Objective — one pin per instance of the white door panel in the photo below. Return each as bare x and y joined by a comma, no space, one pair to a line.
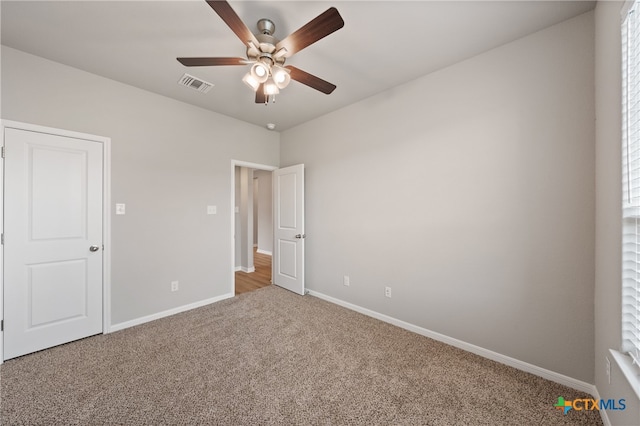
53,214
287,263
288,205
61,200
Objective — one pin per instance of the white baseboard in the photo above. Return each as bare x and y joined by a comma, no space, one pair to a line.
486,353
243,269
268,253
169,312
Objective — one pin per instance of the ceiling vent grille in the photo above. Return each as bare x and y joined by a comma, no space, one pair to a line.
195,83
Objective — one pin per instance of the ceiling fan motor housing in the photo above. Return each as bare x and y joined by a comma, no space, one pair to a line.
267,44
266,26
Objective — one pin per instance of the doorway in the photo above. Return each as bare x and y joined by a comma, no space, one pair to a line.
252,226
261,277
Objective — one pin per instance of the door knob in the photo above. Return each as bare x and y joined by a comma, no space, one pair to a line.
94,248
300,236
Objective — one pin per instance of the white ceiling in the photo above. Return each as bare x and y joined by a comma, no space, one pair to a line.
383,44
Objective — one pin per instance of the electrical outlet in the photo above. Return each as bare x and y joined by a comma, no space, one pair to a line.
345,280
175,285
608,369
387,291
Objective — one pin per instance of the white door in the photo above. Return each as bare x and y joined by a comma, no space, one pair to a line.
288,228
52,240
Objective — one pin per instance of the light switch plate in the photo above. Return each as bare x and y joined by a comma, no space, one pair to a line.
120,208
212,210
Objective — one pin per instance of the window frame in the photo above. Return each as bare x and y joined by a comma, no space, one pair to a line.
628,358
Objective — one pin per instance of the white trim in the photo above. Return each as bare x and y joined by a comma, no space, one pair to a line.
234,164
238,268
169,312
603,413
268,253
630,371
626,7
486,353
106,239
248,270
106,215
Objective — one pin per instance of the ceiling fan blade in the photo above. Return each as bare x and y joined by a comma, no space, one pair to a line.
316,29
208,62
261,98
231,18
310,80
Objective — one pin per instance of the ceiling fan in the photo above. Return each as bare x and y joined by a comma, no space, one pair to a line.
267,55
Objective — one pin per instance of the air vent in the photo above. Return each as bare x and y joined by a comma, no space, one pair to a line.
195,83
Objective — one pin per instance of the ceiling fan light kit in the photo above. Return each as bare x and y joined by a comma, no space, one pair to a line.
267,55
281,77
250,81
270,88
260,72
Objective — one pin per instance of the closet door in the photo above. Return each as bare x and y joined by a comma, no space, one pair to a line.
53,228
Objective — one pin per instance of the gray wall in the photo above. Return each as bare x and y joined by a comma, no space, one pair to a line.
608,295
246,219
169,161
265,213
255,210
238,223
470,192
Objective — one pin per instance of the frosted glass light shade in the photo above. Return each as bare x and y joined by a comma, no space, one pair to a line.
270,88
250,81
260,72
281,77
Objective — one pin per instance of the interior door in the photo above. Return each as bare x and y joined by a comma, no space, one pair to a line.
288,228
52,240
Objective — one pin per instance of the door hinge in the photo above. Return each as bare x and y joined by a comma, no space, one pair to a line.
2,325
2,152
2,238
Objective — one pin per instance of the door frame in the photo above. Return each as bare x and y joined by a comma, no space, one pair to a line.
106,214
234,164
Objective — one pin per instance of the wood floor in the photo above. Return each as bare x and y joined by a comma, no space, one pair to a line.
246,282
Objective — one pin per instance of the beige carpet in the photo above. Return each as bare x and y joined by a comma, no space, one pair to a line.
272,357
